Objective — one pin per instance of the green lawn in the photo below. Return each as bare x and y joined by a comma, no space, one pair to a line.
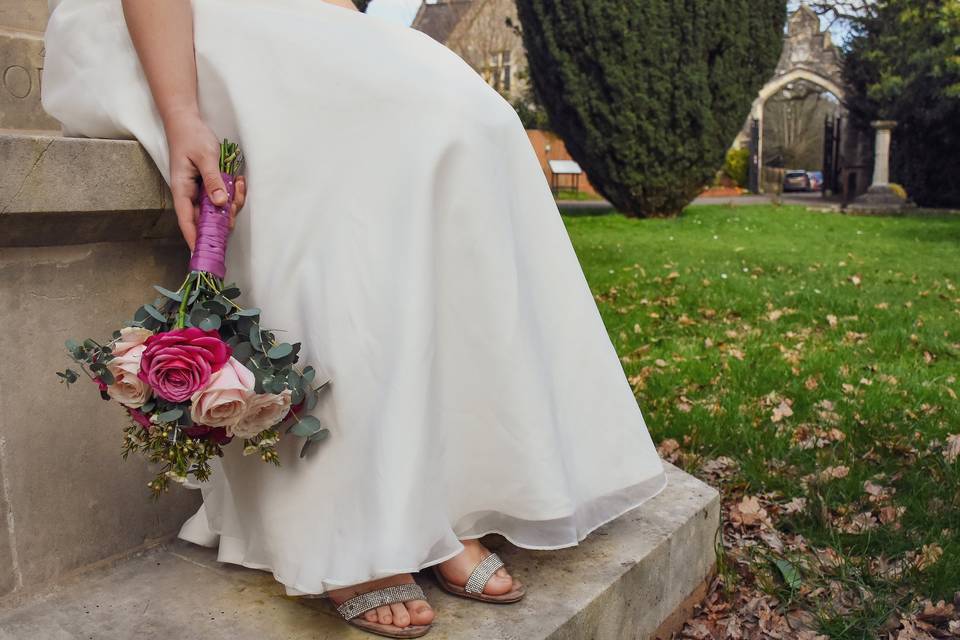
798,355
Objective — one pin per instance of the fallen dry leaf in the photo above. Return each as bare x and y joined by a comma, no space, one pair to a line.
782,411
952,451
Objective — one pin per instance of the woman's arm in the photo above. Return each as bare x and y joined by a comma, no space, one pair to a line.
162,33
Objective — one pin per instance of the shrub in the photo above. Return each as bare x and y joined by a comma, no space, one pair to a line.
736,166
649,94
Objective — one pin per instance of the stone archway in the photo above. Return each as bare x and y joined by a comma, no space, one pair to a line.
809,55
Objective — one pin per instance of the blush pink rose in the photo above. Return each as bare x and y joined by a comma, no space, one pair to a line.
178,363
130,337
127,387
223,402
263,411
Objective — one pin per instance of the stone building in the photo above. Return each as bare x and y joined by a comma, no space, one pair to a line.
480,32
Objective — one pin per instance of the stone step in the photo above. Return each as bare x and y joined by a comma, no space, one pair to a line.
58,191
632,578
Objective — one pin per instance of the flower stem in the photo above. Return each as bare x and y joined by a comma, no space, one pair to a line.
182,313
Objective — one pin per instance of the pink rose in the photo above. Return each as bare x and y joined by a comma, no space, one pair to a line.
127,388
130,337
263,411
178,363
223,402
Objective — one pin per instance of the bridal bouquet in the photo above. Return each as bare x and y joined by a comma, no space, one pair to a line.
194,369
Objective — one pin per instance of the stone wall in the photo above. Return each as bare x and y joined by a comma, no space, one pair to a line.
85,231
21,65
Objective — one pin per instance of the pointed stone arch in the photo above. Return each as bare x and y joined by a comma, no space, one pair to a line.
809,55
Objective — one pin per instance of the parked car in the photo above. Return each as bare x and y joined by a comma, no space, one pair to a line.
816,180
796,181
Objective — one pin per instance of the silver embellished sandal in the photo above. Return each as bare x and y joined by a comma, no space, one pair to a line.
478,580
351,610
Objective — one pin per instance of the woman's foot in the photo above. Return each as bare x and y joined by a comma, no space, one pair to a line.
400,614
458,568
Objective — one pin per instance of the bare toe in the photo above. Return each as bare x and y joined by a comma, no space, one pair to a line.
420,612
400,616
370,616
499,583
384,616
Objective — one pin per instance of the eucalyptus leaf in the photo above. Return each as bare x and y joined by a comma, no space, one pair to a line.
170,294
306,427
309,373
210,323
281,350
215,306
323,434
242,350
306,447
171,415
296,396
256,340
156,315
250,313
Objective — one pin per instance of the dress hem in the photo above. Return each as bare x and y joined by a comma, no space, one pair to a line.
307,592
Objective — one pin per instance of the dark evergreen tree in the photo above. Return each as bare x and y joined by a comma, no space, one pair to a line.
902,64
649,94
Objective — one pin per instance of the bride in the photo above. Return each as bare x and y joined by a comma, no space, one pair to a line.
396,221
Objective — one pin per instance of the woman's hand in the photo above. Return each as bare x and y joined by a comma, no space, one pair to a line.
195,153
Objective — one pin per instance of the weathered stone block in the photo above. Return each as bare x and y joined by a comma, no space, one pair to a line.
73,499
21,66
57,191
28,15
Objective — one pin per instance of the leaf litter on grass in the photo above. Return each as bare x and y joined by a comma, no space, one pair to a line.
806,368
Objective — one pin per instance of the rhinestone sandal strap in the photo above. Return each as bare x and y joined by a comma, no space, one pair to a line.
482,572
364,602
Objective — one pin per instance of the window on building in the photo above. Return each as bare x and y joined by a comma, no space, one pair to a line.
498,72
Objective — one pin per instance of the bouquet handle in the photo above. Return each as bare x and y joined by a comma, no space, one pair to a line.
213,227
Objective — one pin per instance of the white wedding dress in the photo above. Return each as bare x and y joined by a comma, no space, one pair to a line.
399,225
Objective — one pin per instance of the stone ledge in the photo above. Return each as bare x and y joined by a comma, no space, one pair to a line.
624,581
59,191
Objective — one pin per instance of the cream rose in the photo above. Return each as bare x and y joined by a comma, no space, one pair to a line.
127,388
224,400
263,411
130,337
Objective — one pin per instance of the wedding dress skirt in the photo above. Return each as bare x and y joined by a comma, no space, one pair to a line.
399,225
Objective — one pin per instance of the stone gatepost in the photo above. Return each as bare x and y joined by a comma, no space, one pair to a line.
881,196
22,23
881,157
